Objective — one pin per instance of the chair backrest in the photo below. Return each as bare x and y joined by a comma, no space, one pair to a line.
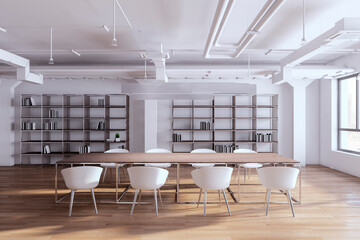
117,150
212,178
147,177
281,178
202,150
243,150
158,150
84,177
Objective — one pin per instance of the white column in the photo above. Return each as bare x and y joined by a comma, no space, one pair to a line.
150,124
6,122
299,119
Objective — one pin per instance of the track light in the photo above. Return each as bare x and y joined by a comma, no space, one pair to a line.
114,41
2,29
106,28
51,60
76,53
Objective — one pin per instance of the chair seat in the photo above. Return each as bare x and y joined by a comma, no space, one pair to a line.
202,165
252,165
160,165
111,165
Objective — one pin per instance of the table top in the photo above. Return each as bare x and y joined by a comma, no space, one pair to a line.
177,158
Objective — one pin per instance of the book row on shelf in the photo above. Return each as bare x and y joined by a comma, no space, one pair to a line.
53,114
100,126
260,137
50,125
205,125
84,149
225,148
176,137
28,125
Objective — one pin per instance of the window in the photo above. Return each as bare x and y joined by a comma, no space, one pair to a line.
348,117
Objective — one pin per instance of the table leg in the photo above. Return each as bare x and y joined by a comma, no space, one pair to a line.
177,182
117,182
300,184
56,182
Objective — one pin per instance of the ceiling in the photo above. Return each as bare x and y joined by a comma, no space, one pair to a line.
181,26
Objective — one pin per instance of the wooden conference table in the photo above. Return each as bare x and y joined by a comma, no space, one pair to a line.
174,158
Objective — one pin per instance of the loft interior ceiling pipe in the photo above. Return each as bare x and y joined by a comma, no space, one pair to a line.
222,13
220,10
269,9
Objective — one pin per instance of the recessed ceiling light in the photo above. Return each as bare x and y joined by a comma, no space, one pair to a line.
2,29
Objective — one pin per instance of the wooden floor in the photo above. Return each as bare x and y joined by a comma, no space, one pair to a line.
330,209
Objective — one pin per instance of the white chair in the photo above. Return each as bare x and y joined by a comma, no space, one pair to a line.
201,165
247,166
79,178
212,178
160,165
113,165
147,178
279,178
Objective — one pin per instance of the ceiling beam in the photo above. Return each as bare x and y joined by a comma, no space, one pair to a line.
22,66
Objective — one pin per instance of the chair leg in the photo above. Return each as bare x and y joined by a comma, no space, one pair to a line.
238,173
104,174
226,201
249,173
160,198
290,201
205,195
71,201
134,202
139,202
268,201
267,190
244,175
199,197
219,198
156,206
93,197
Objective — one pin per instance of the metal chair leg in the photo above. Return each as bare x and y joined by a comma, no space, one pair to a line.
93,197
161,202
71,201
156,206
104,174
139,202
268,201
290,201
199,197
205,194
226,201
238,183
267,190
134,202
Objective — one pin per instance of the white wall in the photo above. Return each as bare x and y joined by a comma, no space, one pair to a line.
329,156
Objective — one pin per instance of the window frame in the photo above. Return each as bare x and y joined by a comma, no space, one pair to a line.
357,127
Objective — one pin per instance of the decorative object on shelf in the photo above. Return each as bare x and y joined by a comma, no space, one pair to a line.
50,125
84,149
29,101
224,148
121,147
117,137
46,149
100,126
176,137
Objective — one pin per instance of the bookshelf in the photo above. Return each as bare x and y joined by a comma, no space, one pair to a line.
225,123
55,126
